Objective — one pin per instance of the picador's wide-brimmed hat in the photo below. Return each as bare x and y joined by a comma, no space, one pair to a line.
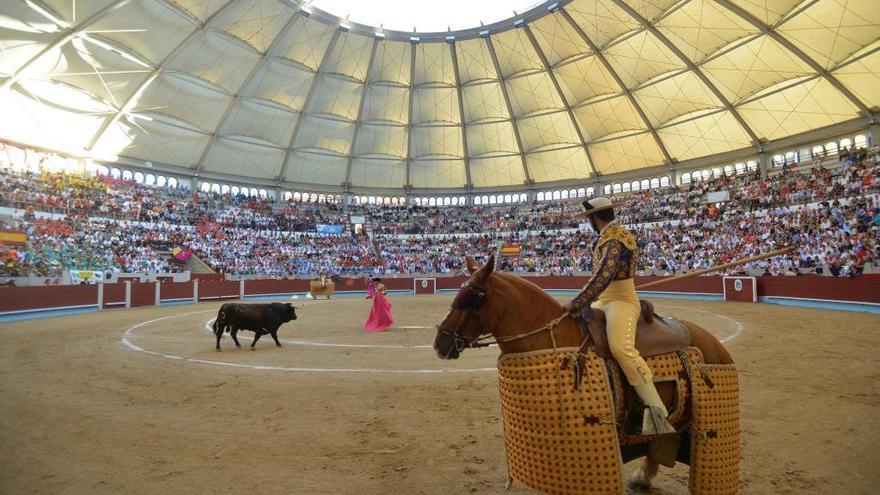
594,205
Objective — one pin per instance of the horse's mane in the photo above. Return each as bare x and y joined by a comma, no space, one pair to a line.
526,285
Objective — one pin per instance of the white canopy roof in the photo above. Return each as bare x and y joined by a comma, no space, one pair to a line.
268,89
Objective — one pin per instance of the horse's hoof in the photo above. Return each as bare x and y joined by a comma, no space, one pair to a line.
218,349
253,349
637,480
238,347
277,345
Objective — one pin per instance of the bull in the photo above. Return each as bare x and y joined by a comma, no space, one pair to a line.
262,319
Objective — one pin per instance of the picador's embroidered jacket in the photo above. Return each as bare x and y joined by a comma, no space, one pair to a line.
615,255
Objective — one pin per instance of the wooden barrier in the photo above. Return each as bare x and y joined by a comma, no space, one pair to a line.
862,289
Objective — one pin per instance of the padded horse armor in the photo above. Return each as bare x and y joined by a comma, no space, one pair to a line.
655,335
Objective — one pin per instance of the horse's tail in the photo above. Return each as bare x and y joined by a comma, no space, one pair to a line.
647,311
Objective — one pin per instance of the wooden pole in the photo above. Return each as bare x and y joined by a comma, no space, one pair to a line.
718,268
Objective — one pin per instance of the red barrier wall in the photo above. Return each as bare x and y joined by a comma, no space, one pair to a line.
143,294
218,289
59,296
114,295
865,289
176,290
255,287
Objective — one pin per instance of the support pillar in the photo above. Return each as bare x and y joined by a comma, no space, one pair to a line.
100,296
196,290
241,289
128,293
158,293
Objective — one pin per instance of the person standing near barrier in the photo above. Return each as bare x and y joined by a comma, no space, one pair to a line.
612,289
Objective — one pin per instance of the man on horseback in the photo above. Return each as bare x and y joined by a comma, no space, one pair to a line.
612,289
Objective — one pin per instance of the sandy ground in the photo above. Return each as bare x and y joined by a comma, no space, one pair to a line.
82,413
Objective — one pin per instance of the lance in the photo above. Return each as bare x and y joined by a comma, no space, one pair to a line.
717,268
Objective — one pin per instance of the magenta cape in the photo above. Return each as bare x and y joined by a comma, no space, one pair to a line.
380,314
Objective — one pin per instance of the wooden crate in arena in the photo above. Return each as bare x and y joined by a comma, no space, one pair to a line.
743,289
425,285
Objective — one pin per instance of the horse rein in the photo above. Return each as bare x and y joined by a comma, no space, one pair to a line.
470,302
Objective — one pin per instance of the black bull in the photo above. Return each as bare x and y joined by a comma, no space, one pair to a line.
260,318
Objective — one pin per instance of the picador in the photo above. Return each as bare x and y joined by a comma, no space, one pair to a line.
612,289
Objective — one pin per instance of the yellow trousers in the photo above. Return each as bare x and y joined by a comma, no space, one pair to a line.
622,310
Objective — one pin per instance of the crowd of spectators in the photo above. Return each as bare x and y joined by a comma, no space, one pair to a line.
831,215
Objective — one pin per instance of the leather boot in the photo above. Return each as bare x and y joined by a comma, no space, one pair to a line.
654,421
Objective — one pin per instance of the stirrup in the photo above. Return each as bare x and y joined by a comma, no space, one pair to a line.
655,423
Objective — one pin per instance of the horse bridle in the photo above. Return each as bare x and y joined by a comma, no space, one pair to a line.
469,299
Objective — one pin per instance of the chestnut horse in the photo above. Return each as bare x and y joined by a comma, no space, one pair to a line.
515,313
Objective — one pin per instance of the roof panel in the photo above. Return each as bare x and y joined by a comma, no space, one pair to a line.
557,38
831,30
546,131
642,57
700,27
437,173
433,64
391,63
752,66
584,79
474,61
862,77
709,135
311,168
200,9
809,105
491,139
497,171
386,104
601,20
435,105
167,28
483,102
679,95
243,159
436,142
281,82
259,121
533,93
350,56
608,117
217,59
324,135
381,140
626,154
305,42
767,11
515,52
561,164
378,173
256,22
153,140
184,99
334,96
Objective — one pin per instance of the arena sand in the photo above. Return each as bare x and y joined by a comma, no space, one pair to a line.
81,413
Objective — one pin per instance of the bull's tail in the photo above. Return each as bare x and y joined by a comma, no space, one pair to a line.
220,323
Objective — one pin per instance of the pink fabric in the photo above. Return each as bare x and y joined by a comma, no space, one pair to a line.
380,315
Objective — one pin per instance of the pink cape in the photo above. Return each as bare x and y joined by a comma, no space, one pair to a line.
380,315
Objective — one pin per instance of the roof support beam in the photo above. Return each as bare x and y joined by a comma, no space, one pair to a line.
464,143
126,107
357,123
693,67
238,96
782,40
568,109
626,91
522,153
65,36
302,115
409,113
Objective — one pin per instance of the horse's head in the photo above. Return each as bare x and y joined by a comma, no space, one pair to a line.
461,327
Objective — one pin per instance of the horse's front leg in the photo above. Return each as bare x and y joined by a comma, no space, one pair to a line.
644,474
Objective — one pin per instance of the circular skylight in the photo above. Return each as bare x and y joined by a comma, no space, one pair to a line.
405,15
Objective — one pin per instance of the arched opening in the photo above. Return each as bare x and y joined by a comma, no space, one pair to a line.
172,182
139,177
150,180
655,183
161,181
664,181
861,141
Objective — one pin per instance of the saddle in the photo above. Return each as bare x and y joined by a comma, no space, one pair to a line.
655,335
